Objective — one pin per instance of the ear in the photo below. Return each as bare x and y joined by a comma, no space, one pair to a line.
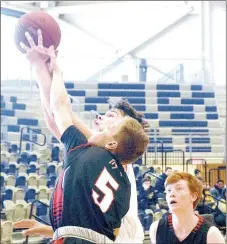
194,196
111,145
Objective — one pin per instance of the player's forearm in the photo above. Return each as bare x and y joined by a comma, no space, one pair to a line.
45,80
59,98
51,123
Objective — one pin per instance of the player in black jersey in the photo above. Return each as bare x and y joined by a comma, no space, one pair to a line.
183,192
93,192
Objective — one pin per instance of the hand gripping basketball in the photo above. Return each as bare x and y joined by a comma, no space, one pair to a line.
38,55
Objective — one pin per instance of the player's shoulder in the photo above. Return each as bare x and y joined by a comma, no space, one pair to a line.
99,155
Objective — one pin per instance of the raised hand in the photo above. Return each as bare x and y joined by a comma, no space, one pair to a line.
38,55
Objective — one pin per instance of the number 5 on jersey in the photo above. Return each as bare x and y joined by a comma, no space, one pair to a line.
102,183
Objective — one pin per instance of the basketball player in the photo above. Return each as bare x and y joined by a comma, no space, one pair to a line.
183,192
60,109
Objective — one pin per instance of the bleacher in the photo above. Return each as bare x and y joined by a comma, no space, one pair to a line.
184,116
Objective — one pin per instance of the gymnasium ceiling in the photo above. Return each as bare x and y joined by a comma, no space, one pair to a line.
107,30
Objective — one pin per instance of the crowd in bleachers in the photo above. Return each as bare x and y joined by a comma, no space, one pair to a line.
27,177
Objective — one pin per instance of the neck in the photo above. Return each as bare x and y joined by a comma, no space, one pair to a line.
185,220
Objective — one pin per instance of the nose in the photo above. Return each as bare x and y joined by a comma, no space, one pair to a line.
99,117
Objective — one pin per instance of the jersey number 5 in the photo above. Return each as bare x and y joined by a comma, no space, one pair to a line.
103,183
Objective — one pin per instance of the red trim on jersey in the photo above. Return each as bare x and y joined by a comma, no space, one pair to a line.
74,148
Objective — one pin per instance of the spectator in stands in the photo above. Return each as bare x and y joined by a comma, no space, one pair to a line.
183,225
216,191
146,196
198,175
148,171
146,203
159,186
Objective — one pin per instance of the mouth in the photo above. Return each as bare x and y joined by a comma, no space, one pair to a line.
172,202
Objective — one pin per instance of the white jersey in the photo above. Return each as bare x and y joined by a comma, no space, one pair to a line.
131,230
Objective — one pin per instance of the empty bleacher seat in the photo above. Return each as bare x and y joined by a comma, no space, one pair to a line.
175,108
192,101
121,86
168,94
167,87
203,94
121,94
183,123
31,122
30,195
182,116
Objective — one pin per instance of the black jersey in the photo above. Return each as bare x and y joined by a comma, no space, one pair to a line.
93,191
165,232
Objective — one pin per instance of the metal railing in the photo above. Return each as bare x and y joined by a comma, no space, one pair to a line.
175,157
30,130
214,174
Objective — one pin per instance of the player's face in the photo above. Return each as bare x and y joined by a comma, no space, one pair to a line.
179,197
103,122
106,136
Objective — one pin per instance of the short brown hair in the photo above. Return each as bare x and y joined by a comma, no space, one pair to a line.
128,110
132,140
194,185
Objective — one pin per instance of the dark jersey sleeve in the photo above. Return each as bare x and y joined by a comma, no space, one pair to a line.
72,137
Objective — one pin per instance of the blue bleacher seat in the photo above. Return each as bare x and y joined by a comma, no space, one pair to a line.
167,87
203,94
121,86
77,93
24,158
20,181
183,123
192,101
51,170
198,149
8,112
30,195
159,149
55,154
8,195
212,116
69,85
196,87
121,94
168,94
175,108
14,148
13,99
51,181
3,168
96,100
165,140
163,100
2,98
32,169
151,115
3,105
13,128
182,116
12,169
190,130
211,109
90,107
140,107
31,122
19,106
201,140
2,181
32,158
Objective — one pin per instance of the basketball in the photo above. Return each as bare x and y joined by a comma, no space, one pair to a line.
31,22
